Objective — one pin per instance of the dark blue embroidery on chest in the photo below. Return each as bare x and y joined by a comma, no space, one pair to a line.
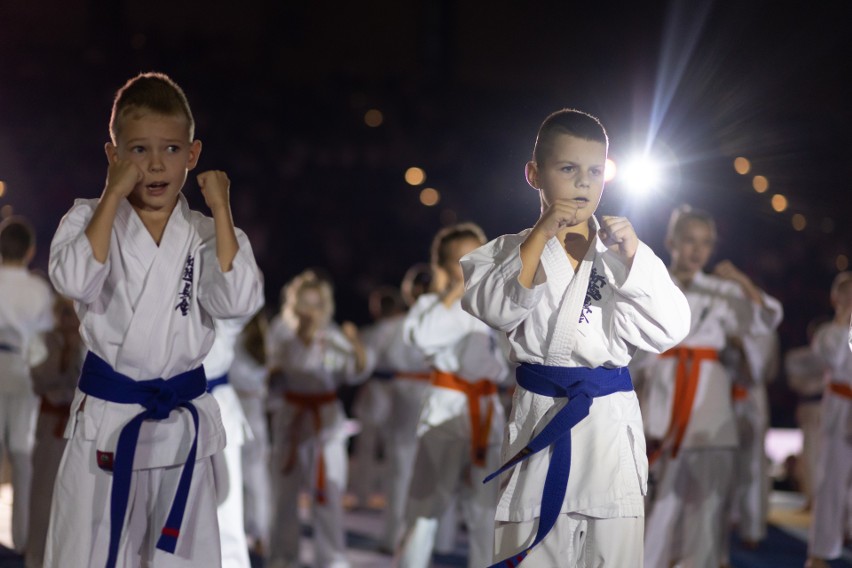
185,294
593,292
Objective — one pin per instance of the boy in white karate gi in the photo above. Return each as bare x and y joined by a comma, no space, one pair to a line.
577,296
462,419
831,343
26,304
148,276
310,357
689,416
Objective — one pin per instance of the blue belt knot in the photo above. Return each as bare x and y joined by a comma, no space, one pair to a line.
580,385
159,397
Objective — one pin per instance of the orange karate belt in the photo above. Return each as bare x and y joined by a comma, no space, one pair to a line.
61,410
841,389
739,393
474,391
686,384
309,404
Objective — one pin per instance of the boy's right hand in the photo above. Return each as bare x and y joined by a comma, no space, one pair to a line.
559,214
122,177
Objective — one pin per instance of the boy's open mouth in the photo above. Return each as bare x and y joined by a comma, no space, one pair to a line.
157,186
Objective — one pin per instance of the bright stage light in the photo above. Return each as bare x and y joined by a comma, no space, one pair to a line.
641,175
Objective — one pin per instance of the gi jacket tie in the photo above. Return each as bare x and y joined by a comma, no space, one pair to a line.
159,397
580,385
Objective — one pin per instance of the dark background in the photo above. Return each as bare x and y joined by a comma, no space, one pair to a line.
280,89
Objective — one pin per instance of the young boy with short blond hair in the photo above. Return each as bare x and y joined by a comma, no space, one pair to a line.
576,296
148,276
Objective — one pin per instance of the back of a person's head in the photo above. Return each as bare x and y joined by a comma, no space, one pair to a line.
416,281
573,122
152,92
841,286
452,233
682,215
17,239
385,301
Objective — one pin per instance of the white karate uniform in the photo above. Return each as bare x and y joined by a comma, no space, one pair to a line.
749,497
56,388
148,312
227,464
26,309
407,389
457,343
595,317
686,518
805,375
834,474
315,369
248,378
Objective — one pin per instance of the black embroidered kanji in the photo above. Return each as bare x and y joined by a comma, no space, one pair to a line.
593,292
185,295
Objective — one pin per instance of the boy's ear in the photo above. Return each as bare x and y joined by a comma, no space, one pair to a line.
194,154
111,152
531,172
29,255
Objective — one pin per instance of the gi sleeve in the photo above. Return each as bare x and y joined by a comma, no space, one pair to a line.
493,292
72,266
232,294
830,345
652,313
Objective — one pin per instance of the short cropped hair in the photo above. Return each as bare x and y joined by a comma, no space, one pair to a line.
416,281
16,238
685,213
453,233
155,92
567,121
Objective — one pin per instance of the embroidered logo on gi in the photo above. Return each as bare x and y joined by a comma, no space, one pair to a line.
593,292
185,294
106,460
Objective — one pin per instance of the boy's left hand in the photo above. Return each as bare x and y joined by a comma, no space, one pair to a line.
215,187
617,233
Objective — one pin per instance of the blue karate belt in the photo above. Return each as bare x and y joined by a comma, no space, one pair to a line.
159,397
580,385
8,348
384,374
217,382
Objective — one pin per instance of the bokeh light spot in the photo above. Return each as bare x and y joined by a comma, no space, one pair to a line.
742,166
842,262
429,196
373,118
779,202
799,222
415,176
760,184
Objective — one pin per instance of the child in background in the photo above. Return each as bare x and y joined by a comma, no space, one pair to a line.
309,359
26,310
462,419
690,420
147,276
576,296
831,344
248,376
55,381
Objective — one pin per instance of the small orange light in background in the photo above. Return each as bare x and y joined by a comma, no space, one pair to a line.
842,262
742,166
779,202
429,196
415,176
2,188
373,118
760,184
799,222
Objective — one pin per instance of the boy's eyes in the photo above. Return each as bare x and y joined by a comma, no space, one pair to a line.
171,149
